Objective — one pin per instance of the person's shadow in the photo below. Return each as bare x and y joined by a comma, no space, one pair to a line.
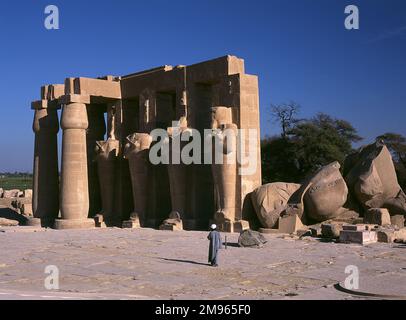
185,261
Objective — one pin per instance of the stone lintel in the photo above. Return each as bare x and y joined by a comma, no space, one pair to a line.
108,88
52,91
74,98
45,104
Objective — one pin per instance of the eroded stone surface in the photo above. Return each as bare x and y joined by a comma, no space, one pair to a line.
370,174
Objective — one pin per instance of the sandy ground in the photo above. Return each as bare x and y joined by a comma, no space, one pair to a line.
117,263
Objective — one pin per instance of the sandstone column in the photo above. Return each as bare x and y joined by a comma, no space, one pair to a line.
74,179
137,151
106,156
45,201
224,167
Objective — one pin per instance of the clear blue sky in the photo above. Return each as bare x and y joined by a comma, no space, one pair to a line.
299,48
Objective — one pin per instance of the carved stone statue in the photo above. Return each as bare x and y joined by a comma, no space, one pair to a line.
177,170
136,151
224,165
106,157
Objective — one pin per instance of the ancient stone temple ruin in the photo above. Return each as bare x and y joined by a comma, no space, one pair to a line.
105,175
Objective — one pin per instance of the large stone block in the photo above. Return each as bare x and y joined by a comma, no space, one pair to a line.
93,87
379,216
386,235
290,224
241,225
361,237
398,220
400,235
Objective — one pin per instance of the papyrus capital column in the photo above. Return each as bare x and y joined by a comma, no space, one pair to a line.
74,179
45,201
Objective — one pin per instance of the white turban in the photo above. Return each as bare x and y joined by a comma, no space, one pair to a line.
213,226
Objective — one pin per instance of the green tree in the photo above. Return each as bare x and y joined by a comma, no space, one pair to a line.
285,114
321,140
306,146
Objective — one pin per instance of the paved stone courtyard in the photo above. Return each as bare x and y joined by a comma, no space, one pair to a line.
117,263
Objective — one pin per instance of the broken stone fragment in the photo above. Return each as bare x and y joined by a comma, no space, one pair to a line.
386,235
379,216
391,234
331,230
398,221
370,175
327,194
270,200
250,238
400,235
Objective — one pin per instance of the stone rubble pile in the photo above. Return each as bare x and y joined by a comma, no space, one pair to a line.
17,202
366,204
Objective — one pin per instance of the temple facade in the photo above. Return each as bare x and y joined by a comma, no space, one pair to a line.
105,175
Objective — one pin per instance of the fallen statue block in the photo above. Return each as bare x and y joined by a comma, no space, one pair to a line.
327,194
270,200
370,175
